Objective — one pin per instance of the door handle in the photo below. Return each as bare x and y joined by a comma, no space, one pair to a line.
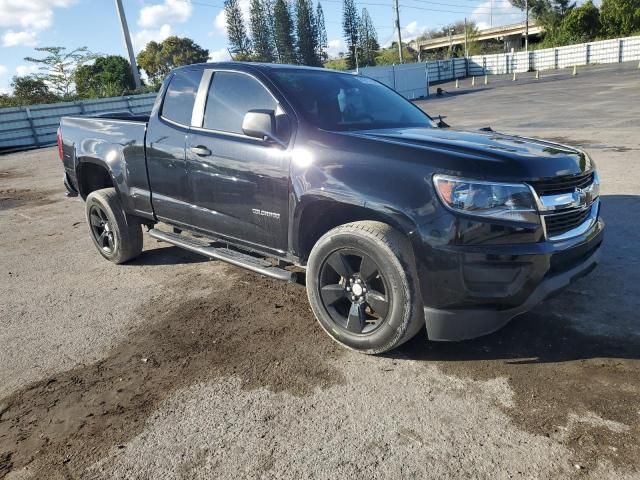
201,151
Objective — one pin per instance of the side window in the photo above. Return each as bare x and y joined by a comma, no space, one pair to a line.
231,95
180,96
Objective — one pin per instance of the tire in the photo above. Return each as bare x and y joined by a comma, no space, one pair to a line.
374,264
116,239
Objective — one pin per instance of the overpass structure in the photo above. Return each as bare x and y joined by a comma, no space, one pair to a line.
510,34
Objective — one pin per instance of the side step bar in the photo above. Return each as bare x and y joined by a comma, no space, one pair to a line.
224,254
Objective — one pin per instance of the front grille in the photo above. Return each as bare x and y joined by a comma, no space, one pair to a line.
559,223
562,184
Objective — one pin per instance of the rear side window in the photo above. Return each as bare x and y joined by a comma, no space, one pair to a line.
180,96
231,95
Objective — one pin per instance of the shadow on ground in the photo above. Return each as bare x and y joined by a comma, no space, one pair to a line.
167,256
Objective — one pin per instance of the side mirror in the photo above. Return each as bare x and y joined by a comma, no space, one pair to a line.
261,124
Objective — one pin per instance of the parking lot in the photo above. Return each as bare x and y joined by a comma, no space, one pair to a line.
173,366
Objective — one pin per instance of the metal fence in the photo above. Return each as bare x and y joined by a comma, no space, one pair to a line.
605,51
410,80
35,126
22,127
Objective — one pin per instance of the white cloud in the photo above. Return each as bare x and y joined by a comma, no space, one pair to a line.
3,70
171,11
30,14
503,14
412,31
23,70
20,39
220,22
334,47
143,37
4,91
221,55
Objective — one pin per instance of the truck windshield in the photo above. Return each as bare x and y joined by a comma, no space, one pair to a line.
338,102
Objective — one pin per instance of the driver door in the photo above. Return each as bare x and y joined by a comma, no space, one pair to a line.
239,185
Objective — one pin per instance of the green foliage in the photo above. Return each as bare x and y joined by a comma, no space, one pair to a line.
283,33
620,18
306,32
582,24
321,35
239,44
262,36
106,77
337,64
59,66
367,39
30,90
158,59
390,56
350,28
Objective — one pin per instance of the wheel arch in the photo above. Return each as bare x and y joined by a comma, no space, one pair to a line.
316,216
93,174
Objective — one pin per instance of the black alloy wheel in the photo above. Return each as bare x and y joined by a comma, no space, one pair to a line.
354,291
101,229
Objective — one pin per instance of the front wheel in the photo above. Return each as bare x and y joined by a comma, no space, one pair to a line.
362,287
115,238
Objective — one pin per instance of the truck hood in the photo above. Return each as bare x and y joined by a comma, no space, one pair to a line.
506,155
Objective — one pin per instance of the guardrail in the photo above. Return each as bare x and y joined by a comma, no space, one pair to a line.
36,125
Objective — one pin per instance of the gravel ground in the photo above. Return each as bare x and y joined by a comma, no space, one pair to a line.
173,366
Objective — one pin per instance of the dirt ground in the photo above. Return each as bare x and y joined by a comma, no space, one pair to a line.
173,366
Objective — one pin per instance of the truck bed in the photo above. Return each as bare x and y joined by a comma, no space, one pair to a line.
116,140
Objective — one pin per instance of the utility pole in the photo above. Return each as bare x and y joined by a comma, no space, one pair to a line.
450,43
466,50
399,34
127,43
526,27
491,14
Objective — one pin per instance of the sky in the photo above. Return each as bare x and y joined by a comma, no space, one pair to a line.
25,24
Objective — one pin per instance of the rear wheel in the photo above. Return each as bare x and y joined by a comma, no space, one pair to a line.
362,286
116,239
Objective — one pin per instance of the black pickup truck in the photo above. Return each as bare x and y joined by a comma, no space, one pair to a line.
392,221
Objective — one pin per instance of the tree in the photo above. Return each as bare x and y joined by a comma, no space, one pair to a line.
368,39
321,33
261,31
306,33
548,13
582,24
30,90
283,33
158,59
620,18
390,56
240,46
350,23
106,77
59,66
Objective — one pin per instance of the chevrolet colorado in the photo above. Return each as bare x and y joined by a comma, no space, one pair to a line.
395,222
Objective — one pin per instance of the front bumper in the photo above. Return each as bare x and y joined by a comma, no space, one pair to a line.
469,291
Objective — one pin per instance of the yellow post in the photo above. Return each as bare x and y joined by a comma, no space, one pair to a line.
486,79
457,84
537,74
514,77
473,81
575,70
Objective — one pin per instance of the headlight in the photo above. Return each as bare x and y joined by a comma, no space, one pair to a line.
503,201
